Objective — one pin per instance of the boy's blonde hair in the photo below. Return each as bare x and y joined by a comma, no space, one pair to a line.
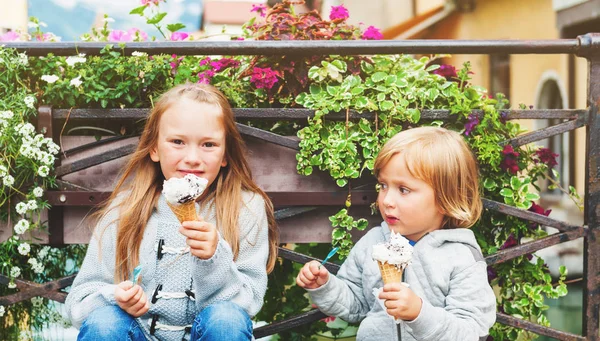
442,159
142,179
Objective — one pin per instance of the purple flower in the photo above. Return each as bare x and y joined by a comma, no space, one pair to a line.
545,155
472,122
178,36
205,61
205,76
492,274
510,242
118,35
10,36
446,71
137,33
263,78
338,12
224,63
509,162
260,9
503,116
372,33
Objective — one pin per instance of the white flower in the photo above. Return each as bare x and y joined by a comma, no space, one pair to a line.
3,171
25,129
2,310
72,60
38,192
15,271
23,59
38,268
24,249
29,101
47,159
43,171
43,252
21,226
50,78
32,261
24,335
8,180
108,19
32,205
21,208
138,54
37,301
12,285
76,81
6,114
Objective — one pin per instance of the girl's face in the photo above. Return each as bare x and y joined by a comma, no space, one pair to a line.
191,140
406,203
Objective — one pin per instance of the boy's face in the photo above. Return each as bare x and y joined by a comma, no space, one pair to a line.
406,203
191,140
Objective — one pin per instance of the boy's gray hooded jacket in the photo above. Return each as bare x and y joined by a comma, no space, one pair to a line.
448,272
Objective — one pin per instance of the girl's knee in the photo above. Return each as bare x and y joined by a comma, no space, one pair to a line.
107,323
222,319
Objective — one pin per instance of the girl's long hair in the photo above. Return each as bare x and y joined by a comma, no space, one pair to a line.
142,180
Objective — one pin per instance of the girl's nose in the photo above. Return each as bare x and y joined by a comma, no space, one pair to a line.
192,156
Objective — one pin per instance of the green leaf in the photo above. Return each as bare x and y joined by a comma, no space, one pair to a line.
506,192
156,19
341,182
138,10
175,27
532,196
361,102
315,89
489,184
515,183
379,76
386,105
338,234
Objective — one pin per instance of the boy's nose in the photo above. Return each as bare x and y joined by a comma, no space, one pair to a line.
388,199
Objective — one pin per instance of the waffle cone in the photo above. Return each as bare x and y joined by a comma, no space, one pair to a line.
389,273
185,212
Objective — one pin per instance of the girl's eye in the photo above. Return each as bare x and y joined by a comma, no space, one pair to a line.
176,141
209,144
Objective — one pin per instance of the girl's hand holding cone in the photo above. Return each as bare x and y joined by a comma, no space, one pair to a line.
312,275
202,238
401,302
131,298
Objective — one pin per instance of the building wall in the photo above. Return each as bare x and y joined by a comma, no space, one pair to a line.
13,15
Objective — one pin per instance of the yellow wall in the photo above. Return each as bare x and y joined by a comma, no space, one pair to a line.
13,14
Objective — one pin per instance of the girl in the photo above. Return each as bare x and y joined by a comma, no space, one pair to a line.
428,192
201,280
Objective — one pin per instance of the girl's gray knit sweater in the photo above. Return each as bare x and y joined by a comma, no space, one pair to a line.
447,272
178,287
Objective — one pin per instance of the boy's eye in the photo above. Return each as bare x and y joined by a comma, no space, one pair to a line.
380,186
404,190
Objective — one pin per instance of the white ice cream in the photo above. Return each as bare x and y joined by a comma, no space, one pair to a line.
397,251
178,191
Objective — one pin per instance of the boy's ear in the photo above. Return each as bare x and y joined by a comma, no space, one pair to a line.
154,154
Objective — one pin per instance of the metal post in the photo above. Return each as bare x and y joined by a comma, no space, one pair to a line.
591,252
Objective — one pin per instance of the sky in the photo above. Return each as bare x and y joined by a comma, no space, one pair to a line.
69,19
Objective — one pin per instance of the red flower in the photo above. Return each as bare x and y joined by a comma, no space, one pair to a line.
446,71
510,242
509,163
545,155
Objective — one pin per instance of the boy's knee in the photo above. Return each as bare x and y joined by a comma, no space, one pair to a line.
224,319
106,323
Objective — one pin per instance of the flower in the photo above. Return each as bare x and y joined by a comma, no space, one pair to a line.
139,54
21,226
38,192
29,101
118,35
37,301
43,252
205,76
472,122
76,81
510,242
12,285
509,162
545,155
15,271
261,9
24,249
446,71
338,13
2,310
150,2
50,78
72,60
224,63
372,33
43,171
263,78
10,36
21,208
178,36
32,205
137,34
8,180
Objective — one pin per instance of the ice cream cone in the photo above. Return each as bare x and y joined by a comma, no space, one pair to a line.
185,212
389,273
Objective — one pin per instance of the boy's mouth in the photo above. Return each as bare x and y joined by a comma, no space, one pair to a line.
390,219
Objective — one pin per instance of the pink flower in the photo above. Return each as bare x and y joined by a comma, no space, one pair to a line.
118,35
224,63
205,61
260,9
137,33
150,2
338,12
206,76
372,33
178,36
263,78
10,36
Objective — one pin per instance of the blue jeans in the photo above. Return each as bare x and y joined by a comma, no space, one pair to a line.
222,321
110,323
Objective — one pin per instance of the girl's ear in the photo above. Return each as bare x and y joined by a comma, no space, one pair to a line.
224,162
154,154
